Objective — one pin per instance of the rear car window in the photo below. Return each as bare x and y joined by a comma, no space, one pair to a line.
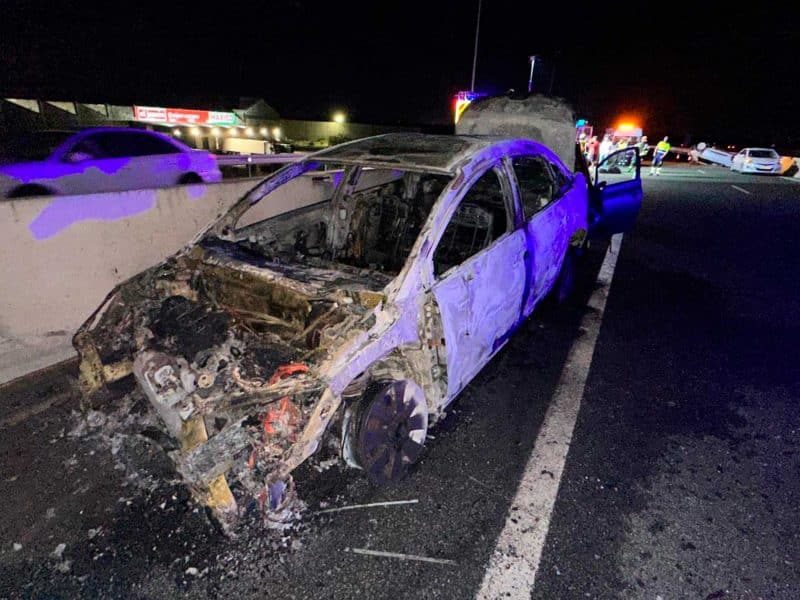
763,154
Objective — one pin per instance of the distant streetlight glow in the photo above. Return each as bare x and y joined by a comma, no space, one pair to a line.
249,132
234,132
263,132
215,131
276,133
338,117
176,132
195,131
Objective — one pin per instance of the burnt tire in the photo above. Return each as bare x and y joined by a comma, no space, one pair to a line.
392,426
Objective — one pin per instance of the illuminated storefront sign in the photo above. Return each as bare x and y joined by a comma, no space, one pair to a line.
182,116
462,100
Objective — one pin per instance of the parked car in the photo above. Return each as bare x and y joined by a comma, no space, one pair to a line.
757,160
101,159
350,324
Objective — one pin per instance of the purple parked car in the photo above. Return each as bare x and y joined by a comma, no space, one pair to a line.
350,324
101,159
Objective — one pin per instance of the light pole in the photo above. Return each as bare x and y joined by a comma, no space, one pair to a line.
532,60
475,52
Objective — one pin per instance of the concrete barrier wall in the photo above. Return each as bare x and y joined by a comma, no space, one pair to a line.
59,257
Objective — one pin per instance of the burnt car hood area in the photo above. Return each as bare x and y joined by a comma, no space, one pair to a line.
231,352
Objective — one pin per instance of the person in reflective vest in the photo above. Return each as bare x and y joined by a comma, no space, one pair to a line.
660,152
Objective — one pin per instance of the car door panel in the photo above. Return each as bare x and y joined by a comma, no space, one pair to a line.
618,197
546,230
479,302
545,195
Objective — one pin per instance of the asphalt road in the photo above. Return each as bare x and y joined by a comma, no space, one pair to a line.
682,480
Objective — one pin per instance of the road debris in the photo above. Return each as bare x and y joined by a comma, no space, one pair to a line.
59,551
415,557
370,505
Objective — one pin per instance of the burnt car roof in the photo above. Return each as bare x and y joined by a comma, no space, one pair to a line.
414,151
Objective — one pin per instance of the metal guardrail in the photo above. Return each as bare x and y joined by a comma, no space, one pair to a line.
232,160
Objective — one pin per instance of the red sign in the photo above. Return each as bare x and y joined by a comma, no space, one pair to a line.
182,116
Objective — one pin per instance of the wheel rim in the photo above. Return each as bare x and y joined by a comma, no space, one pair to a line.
392,433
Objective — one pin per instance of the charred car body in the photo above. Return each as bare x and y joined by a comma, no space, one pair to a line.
349,323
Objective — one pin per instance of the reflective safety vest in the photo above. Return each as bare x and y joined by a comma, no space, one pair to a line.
663,147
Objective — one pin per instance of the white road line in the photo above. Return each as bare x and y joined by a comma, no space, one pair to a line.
701,171
515,561
792,179
736,187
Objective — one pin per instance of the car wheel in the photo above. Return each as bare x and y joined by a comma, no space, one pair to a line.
189,178
392,424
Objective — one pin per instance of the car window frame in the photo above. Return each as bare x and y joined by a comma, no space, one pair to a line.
553,169
512,214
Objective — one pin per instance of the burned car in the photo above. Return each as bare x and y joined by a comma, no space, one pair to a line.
349,322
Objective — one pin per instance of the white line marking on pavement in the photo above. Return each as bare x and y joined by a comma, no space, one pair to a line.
512,568
792,179
701,171
736,187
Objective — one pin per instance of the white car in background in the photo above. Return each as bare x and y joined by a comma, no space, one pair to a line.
100,159
757,160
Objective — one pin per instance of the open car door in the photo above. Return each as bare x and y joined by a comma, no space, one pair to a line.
616,193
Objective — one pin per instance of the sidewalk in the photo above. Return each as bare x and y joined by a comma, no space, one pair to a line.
19,357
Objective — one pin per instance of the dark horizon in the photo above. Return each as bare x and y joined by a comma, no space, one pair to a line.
704,74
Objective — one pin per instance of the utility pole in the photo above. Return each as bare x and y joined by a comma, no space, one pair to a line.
475,53
532,60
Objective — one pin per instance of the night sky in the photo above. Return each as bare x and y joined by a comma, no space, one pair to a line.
698,71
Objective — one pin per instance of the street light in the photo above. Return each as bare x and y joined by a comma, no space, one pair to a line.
532,60
338,117
475,51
